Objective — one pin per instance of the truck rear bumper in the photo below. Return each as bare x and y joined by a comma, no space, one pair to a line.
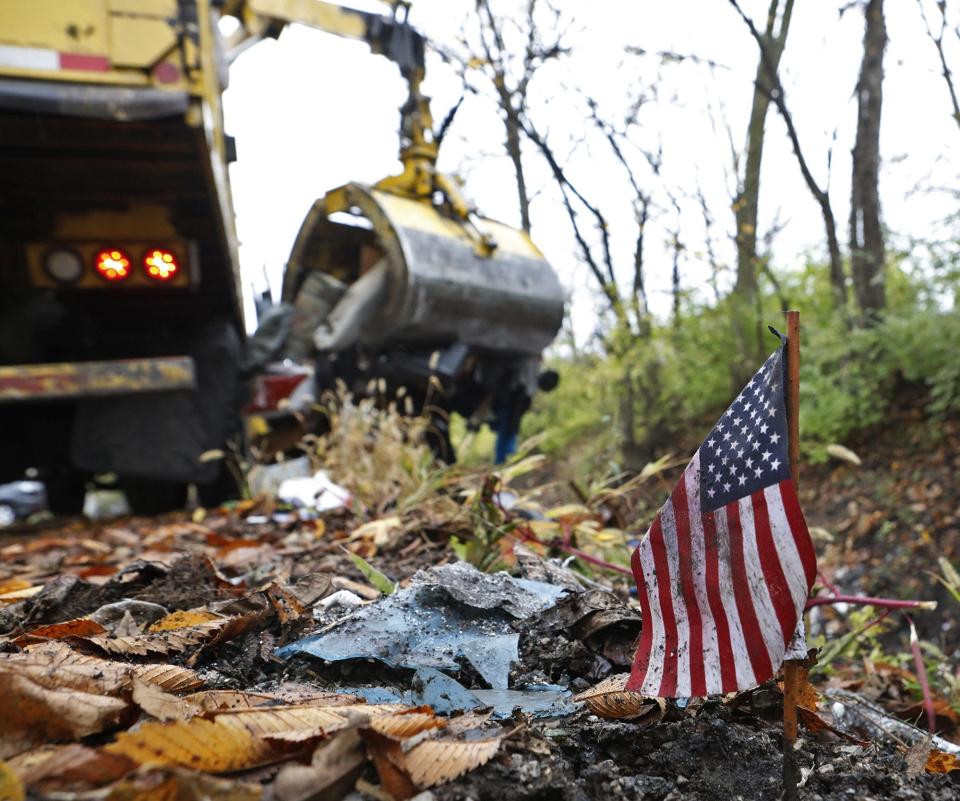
71,380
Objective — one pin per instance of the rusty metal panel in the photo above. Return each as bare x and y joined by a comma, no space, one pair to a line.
66,380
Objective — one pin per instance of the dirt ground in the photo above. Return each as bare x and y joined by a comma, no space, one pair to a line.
887,521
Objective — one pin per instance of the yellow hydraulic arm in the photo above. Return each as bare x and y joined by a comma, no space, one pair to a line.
396,39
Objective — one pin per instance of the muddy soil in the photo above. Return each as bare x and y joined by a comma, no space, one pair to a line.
715,756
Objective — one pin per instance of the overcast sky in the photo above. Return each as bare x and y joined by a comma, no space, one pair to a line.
312,112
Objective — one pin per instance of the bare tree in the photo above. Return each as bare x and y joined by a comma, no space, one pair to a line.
821,195
510,77
937,39
867,251
746,202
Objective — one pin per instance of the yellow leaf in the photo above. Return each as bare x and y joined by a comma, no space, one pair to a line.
942,762
13,585
183,619
570,513
611,699
10,787
199,744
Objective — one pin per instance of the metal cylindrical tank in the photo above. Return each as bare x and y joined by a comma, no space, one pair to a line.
441,286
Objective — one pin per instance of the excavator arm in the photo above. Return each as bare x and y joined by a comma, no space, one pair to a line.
391,37
394,38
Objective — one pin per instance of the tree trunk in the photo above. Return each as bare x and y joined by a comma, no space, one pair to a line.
867,256
512,126
748,331
747,201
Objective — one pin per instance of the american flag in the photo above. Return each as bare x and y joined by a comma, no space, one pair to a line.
727,566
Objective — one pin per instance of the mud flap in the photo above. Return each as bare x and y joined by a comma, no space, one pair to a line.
161,435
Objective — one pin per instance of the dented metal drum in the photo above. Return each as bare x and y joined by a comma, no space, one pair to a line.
440,284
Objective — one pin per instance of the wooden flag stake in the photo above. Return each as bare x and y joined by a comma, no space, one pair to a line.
790,666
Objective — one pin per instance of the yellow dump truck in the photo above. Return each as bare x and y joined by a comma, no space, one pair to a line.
120,308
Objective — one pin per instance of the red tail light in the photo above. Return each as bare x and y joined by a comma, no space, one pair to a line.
112,264
160,264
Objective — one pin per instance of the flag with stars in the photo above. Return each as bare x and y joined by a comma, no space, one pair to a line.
726,568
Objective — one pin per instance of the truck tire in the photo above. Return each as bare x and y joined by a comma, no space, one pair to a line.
66,493
147,496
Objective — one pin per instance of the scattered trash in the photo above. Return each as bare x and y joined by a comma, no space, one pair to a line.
447,613
294,482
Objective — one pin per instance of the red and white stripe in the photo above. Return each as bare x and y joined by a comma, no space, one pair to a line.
42,58
721,592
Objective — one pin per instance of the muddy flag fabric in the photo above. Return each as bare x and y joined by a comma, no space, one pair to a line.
727,566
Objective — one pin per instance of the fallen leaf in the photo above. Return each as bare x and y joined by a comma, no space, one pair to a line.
942,762
33,713
437,761
162,705
172,678
79,627
916,756
183,619
410,722
285,603
844,454
380,532
240,739
13,584
813,722
19,595
66,766
173,784
198,744
335,762
298,723
610,699
11,789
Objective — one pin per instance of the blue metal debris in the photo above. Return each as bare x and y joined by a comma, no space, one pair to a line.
447,614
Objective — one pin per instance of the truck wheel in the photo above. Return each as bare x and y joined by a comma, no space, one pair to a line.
66,494
147,496
222,488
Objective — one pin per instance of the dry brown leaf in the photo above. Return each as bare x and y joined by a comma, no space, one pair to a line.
31,713
162,705
226,700
915,757
285,603
609,699
80,627
813,722
335,763
408,723
434,762
161,643
11,788
172,678
57,666
942,762
183,619
66,766
172,784
299,723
